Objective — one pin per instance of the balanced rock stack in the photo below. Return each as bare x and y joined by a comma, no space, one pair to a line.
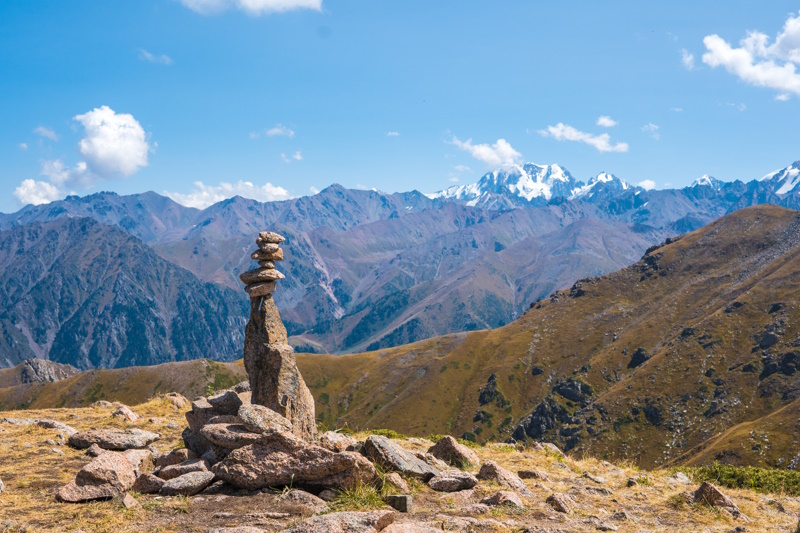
275,381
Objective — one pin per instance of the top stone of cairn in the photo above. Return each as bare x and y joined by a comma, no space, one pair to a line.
260,281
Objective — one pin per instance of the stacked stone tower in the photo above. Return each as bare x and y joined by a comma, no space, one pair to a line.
275,381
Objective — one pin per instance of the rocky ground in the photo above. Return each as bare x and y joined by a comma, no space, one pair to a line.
38,460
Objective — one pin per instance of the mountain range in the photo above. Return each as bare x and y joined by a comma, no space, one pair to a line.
368,270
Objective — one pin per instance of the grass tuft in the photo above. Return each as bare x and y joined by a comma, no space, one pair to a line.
362,497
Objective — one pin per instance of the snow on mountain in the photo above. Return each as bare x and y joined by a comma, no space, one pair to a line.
604,180
514,184
785,180
707,181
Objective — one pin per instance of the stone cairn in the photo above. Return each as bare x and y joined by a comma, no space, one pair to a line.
275,381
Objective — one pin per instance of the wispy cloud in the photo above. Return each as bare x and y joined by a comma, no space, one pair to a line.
45,132
160,59
462,168
23,146
647,185
757,62
251,7
204,195
652,130
676,109
687,59
313,190
564,132
739,106
494,155
606,122
393,134
279,130
297,156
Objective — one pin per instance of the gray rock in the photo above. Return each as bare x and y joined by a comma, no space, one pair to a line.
560,502
270,237
260,419
281,458
174,457
187,484
195,442
491,471
238,529
303,502
400,502
503,497
533,474
391,456
94,450
201,413
229,436
241,387
452,481
173,471
226,403
53,424
124,412
275,381
349,522
399,483
147,484
113,439
108,468
2,487
454,453
73,493
709,494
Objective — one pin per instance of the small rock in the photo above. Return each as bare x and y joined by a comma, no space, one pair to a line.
304,502
709,494
127,501
560,502
599,490
369,522
243,386
401,502
594,478
620,516
94,450
399,483
2,487
123,411
113,439
148,484
226,403
52,424
335,442
56,451
454,453
50,442
328,495
552,448
238,529
533,474
102,404
452,481
173,471
109,468
430,460
632,482
392,456
173,457
493,472
680,477
178,401
187,484
504,497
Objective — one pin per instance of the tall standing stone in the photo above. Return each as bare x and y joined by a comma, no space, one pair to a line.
275,380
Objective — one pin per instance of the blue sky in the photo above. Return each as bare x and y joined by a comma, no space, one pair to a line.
203,99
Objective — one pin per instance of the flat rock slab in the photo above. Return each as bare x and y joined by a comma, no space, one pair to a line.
454,453
173,471
174,457
260,419
229,436
401,502
74,493
336,442
491,471
113,439
504,497
347,522
281,459
304,502
392,456
452,481
187,484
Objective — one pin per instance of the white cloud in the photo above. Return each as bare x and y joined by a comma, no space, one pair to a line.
42,131
252,7
205,195
297,156
563,132
313,190
647,185
462,168
279,130
606,121
254,135
23,146
114,145
687,59
783,97
652,130
37,192
741,106
453,179
162,59
758,63
393,134
498,154
676,109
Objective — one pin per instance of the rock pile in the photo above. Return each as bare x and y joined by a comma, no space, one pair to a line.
275,381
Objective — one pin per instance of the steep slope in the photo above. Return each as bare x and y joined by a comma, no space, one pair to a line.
79,292
699,336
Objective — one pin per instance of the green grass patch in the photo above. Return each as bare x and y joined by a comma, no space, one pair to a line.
388,433
765,480
362,497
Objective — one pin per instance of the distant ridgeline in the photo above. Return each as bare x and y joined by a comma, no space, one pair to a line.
112,281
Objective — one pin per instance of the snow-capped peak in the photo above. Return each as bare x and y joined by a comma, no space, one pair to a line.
786,180
604,178
707,181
